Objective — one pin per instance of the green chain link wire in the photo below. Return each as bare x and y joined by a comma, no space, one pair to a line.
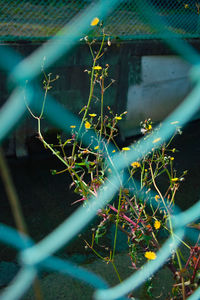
151,23
38,19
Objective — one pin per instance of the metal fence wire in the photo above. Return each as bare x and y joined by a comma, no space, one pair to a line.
42,19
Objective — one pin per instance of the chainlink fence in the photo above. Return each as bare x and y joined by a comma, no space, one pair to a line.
68,21
40,20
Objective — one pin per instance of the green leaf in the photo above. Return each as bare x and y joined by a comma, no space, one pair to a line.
67,142
101,231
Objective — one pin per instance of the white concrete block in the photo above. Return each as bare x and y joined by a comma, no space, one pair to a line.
162,68
165,83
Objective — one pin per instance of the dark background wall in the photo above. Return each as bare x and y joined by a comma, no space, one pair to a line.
72,87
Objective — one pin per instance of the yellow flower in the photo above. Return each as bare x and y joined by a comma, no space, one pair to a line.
150,255
186,6
113,151
97,147
72,126
92,115
149,127
97,68
156,140
174,179
87,125
157,224
135,164
172,158
126,149
94,22
157,197
118,118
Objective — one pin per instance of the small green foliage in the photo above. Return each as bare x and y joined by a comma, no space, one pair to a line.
100,232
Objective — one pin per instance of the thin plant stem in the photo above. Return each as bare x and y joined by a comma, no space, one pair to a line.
116,271
92,83
102,95
171,230
16,210
84,186
103,258
117,222
44,100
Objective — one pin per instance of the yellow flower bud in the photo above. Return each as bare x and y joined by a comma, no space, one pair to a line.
94,22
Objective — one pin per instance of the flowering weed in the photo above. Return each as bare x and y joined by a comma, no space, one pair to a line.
141,210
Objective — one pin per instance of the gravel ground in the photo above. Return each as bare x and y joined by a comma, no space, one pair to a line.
57,286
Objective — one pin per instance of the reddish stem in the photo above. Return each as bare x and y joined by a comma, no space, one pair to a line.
195,269
124,216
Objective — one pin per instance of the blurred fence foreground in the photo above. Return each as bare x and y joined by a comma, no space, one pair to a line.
68,21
